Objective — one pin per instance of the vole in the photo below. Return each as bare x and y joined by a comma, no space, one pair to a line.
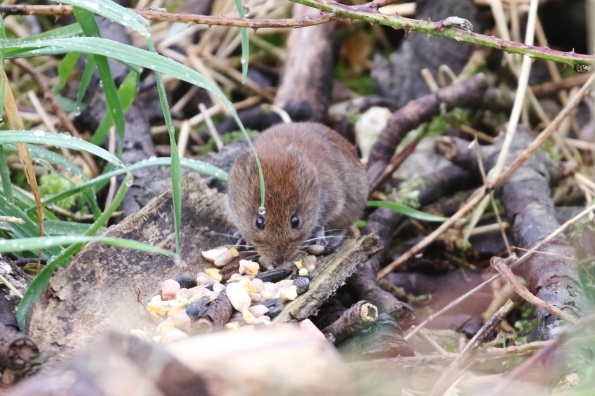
314,181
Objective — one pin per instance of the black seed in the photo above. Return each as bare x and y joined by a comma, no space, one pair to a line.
274,275
274,310
268,303
295,276
302,284
195,308
329,250
186,282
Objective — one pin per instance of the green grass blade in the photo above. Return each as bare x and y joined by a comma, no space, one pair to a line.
33,244
201,167
85,81
127,93
407,211
245,42
114,106
3,63
39,153
58,140
61,32
176,168
26,230
128,54
114,12
65,68
60,227
5,175
41,280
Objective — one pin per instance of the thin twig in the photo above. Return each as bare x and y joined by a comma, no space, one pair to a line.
500,265
160,16
10,286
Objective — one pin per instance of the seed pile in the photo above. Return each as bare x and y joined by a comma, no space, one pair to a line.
231,294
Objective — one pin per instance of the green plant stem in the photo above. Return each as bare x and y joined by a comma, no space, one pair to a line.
577,61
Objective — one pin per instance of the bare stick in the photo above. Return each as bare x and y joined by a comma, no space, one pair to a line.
500,265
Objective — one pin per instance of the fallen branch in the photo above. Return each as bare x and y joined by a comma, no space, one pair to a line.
500,265
361,315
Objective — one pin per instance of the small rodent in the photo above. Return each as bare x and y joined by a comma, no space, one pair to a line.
314,181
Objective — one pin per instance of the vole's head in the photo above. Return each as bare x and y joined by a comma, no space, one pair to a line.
291,203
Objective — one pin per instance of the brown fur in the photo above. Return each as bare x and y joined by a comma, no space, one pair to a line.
310,171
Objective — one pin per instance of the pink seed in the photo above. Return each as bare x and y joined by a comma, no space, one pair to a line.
169,288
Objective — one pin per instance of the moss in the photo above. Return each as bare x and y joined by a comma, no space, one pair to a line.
54,183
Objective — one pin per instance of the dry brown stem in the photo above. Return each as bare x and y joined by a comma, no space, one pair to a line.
500,265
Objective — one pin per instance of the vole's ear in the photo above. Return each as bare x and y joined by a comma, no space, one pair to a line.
305,169
243,166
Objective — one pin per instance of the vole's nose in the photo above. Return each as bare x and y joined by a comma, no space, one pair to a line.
278,261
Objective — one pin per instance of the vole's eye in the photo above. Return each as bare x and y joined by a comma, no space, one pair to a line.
295,222
260,223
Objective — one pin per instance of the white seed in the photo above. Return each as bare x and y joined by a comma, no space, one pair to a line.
291,293
181,320
283,283
249,268
304,272
299,264
211,255
159,306
174,335
218,287
224,258
165,326
204,279
184,293
238,296
214,273
234,278
267,293
232,326
258,310
316,250
258,284
310,263
213,296
255,297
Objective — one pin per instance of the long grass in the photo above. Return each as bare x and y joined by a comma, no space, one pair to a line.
61,240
